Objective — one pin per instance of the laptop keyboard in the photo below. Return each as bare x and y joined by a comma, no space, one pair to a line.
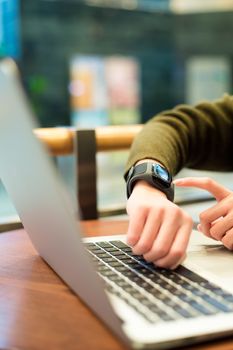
156,293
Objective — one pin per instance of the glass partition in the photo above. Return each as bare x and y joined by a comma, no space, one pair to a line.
169,52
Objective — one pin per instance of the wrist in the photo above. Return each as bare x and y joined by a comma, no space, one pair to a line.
143,186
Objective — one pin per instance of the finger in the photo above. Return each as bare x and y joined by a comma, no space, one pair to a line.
205,183
149,232
164,239
212,215
221,226
227,240
201,231
199,228
205,229
215,212
135,228
204,232
179,262
178,248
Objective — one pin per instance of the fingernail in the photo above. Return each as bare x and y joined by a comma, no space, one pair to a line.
178,182
130,241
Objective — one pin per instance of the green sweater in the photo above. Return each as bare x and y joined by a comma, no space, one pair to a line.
199,137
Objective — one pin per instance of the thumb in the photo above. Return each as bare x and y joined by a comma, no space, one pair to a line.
205,183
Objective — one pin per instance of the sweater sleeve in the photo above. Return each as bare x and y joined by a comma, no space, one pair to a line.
199,137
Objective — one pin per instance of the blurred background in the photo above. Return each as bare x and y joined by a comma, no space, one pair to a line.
87,63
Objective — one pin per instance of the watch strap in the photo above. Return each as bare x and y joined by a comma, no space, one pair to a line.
144,172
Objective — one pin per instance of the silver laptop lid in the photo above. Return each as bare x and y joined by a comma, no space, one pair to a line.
40,199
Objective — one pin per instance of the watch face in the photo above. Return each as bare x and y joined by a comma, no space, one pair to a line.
161,173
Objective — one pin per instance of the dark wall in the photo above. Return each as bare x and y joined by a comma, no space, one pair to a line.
53,31
207,34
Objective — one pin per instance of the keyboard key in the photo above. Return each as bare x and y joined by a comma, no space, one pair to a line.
217,304
104,245
91,246
183,271
119,244
201,308
118,254
182,311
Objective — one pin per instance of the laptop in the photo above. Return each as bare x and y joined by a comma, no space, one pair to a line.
145,306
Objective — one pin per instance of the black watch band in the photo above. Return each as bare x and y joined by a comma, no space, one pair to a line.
154,174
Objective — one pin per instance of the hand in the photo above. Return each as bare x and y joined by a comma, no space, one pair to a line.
158,229
217,221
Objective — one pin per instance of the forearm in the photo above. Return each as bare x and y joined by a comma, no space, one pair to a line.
199,137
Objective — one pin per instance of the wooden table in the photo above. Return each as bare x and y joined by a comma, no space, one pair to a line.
37,311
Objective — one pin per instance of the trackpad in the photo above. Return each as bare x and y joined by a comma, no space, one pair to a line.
211,259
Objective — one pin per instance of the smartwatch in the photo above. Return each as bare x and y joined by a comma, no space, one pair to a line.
154,174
